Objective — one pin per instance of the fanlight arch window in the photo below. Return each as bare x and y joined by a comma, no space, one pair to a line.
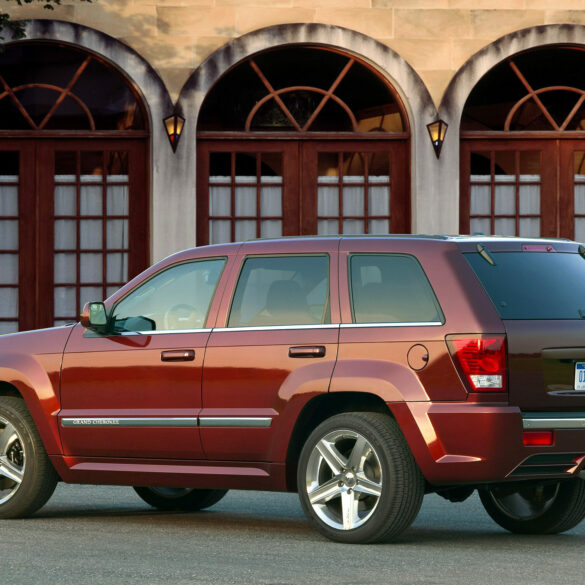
268,165
523,146
49,86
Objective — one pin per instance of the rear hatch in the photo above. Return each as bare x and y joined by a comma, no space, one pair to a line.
538,288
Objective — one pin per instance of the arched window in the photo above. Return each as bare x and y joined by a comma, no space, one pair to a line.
301,140
73,203
523,149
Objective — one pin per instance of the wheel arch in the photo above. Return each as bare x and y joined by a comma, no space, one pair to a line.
317,410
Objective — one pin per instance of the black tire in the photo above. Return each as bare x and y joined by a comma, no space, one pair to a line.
358,481
27,477
537,507
185,499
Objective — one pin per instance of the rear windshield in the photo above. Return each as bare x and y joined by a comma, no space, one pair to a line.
533,285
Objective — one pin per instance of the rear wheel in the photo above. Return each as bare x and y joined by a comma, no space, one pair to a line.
536,508
186,499
357,480
27,477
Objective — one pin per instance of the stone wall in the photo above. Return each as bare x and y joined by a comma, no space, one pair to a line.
436,37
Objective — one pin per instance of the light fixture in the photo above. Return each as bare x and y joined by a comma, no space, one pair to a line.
174,126
437,131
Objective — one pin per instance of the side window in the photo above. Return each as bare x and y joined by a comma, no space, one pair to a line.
281,290
175,299
391,288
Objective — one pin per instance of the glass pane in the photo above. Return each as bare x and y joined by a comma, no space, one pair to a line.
327,198
65,234
327,227
281,291
245,230
353,198
8,234
219,198
176,298
353,226
529,227
529,199
66,164
65,302
88,294
379,196
505,227
379,226
580,229
117,199
271,197
271,228
245,200
8,302
117,234
8,327
505,197
65,268
480,226
91,200
91,234
9,165
8,197
117,267
391,288
117,165
92,165
65,199
219,231
8,269
481,199
90,267
579,194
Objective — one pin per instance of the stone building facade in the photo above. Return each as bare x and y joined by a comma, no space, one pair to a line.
296,117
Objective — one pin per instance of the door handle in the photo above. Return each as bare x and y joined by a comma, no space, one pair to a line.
179,355
307,351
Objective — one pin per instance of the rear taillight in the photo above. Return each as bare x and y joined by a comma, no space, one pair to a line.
481,359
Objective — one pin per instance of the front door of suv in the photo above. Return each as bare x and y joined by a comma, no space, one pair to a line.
136,390
273,349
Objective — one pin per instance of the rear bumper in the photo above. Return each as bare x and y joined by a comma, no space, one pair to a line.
472,443
553,420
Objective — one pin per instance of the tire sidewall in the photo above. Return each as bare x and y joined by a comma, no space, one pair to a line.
377,524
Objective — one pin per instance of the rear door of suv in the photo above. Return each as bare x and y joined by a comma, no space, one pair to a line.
272,349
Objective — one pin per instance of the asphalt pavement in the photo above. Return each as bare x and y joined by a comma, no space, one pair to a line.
98,535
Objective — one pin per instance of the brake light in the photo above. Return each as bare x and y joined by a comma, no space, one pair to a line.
481,359
538,438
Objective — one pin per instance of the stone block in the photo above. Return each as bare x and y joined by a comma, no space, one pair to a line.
565,16
117,20
492,24
487,4
554,4
196,20
376,23
431,24
437,82
464,49
164,51
251,18
410,4
423,54
340,4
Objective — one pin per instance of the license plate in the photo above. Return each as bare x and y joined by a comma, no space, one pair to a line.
580,376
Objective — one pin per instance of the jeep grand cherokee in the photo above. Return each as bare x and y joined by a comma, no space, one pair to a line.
362,372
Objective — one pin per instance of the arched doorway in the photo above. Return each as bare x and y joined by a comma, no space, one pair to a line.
301,140
73,183
523,147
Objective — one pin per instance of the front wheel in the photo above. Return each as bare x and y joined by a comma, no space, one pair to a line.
357,479
27,478
537,507
186,499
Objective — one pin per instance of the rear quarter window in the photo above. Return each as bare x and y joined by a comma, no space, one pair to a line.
533,285
391,288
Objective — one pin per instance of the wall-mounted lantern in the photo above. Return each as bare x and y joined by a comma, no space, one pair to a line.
174,126
437,131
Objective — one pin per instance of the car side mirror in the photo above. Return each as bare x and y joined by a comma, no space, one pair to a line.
94,316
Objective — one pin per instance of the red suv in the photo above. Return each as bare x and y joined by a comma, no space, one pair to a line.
362,372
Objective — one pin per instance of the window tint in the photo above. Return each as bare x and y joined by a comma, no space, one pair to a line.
175,299
533,285
391,288
282,290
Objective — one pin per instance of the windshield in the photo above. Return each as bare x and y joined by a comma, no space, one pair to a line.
533,285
